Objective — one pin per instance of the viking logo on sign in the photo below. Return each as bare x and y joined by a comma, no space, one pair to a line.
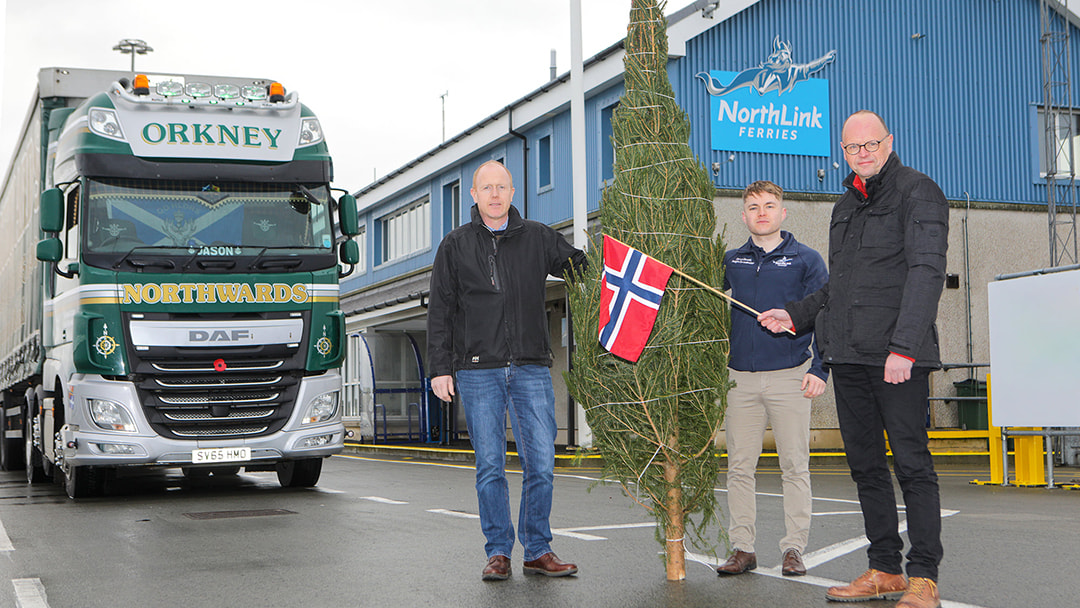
749,115
776,73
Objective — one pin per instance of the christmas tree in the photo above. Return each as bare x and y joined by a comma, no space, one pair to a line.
655,421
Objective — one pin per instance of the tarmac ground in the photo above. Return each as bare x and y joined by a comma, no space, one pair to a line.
1004,546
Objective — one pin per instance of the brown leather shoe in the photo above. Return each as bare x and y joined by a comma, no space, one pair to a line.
497,568
793,564
872,585
921,593
739,562
550,565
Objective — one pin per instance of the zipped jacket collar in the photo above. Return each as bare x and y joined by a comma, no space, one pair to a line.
514,222
885,177
788,246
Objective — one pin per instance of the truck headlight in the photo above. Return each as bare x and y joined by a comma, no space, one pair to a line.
310,132
111,416
321,408
103,121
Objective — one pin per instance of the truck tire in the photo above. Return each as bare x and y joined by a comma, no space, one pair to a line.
83,482
11,448
35,464
303,473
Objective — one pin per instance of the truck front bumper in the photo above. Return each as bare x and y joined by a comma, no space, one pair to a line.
86,444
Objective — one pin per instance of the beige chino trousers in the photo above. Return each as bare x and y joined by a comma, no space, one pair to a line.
773,397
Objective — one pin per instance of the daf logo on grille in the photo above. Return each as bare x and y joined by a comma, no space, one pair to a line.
219,335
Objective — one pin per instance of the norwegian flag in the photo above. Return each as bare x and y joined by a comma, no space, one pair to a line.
630,293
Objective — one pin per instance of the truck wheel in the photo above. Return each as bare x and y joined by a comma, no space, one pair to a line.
35,464
302,473
35,469
11,449
83,482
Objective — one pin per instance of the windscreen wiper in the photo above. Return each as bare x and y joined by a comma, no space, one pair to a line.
141,263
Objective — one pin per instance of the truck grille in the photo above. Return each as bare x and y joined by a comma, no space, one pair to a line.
186,396
224,431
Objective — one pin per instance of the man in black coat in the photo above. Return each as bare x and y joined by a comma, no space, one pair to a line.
874,322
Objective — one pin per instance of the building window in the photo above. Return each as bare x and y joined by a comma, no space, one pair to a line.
543,159
361,241
607,146
406,231
451,206
1068,127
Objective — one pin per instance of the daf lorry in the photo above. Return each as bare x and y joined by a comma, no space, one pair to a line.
170,251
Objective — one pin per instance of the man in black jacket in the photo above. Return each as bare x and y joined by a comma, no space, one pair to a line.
488,342
874,322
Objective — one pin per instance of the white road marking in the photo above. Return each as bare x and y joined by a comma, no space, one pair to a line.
827,554
5,542
327,490
29,593
577,532
461,514
385,501
577,535
647,524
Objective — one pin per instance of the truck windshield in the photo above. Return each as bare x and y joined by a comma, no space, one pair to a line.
218,218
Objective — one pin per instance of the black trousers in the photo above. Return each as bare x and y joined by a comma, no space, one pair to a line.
867,406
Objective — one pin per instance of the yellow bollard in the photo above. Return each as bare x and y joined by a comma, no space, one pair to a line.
997,467
1030,460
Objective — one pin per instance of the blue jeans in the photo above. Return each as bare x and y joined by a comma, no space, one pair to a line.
487,395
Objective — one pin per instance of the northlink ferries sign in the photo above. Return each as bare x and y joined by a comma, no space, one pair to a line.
774,108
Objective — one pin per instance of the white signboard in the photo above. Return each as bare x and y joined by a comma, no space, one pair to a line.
201,133
1035,350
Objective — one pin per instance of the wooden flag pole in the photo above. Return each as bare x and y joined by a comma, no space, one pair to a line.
723,295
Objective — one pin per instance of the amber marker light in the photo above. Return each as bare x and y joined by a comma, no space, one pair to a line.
142,85
277,92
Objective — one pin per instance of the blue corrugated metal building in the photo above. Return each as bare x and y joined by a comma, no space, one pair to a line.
959,82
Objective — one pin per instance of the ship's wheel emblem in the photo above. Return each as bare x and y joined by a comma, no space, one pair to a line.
324,345
105,345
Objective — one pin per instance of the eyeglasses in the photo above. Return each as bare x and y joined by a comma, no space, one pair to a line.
871,146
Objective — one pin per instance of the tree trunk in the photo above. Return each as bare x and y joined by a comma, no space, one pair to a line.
675,554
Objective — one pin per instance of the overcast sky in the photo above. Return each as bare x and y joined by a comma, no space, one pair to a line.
372,70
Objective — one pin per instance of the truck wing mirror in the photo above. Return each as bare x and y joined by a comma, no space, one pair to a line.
347,215
50,250
52,211
350,252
